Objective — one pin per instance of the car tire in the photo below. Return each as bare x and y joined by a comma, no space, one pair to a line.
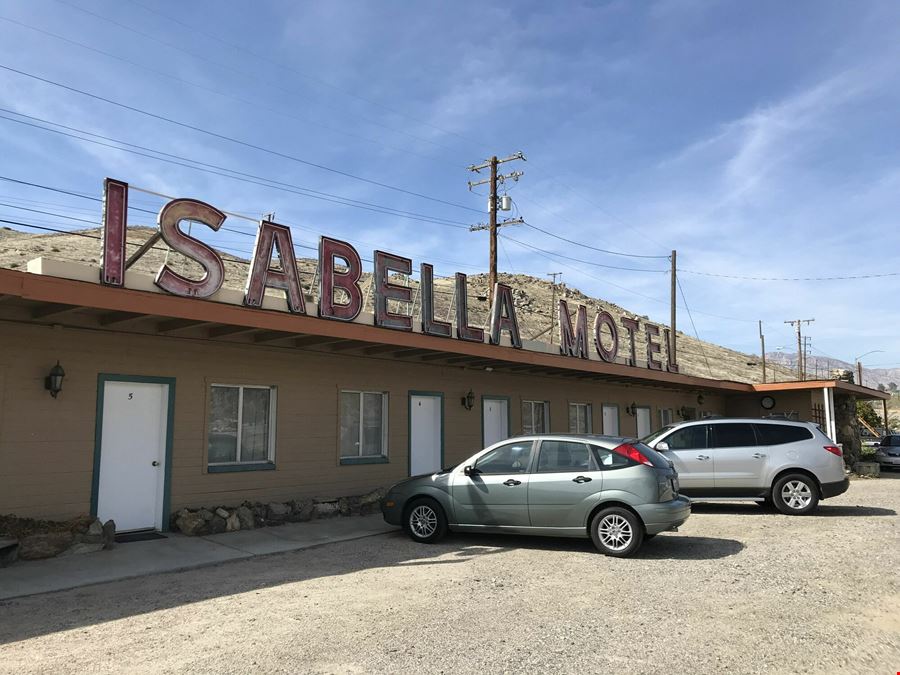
425,521
617,532
795,494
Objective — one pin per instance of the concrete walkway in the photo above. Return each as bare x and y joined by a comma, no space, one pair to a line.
178,552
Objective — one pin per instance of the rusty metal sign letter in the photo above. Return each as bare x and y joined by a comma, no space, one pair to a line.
604,318
385,290
631,325
330,278
270,237
652,332
671,365
573,342
430,325
503,316
115,218
170,216
463,330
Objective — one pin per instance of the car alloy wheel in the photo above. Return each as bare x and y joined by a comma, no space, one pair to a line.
615,532
423,521
796,494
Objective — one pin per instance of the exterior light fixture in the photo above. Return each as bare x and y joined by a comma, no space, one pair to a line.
700,399
53,381
683,412
631,409
468,401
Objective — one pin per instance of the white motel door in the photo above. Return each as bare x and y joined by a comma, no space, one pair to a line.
643,422
495,421
611,420
132,454
426,434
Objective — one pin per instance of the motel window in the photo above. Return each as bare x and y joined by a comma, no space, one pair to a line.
364,425
580,418
535,417
666,417
241,425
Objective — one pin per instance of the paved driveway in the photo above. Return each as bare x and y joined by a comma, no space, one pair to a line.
738,590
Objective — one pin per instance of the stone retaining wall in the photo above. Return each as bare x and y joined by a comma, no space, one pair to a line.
250,515
27,539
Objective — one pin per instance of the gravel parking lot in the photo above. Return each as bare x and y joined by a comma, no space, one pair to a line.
739,589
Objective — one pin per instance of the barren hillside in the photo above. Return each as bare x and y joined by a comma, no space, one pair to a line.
533,297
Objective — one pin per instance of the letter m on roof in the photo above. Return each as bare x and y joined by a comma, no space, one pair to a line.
573,342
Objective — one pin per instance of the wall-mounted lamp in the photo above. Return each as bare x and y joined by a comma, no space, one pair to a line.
53,381
468,401
700,399
683,412
631,409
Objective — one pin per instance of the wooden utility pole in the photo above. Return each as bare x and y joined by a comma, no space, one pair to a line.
762,345
673,350
797,323
493,225
553,304
859,373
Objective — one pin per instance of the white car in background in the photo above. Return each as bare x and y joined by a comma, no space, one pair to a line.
789,464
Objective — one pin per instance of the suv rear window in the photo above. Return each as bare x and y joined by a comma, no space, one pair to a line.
729,435
777,434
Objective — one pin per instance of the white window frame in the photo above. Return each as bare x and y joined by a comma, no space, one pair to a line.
273,405
545,406
385,400
588,413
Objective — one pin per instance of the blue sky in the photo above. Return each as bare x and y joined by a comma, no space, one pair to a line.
757,139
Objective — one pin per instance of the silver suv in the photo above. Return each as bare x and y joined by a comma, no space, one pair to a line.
789,464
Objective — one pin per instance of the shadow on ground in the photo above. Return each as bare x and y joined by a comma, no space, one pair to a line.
824,510
28,617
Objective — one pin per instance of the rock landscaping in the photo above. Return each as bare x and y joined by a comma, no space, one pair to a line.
30,539
250,515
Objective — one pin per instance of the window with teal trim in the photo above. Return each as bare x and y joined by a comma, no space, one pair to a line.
241,426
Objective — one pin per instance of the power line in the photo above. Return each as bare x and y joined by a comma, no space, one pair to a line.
585,262
694,326
751,278
264,58
251,76
256,105
594,248
236,141
238,175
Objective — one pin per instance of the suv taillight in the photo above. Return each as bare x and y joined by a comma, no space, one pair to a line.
632,452
834,450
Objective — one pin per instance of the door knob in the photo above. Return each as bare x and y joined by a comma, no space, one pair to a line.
155,463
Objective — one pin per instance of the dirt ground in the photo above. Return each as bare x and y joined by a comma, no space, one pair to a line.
738,590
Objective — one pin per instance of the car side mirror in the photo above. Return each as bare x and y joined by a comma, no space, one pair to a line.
470,471
662,446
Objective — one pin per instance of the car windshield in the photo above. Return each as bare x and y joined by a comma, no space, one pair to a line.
648,440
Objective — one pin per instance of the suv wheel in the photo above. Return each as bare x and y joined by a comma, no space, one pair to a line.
617,532
425,521
795,494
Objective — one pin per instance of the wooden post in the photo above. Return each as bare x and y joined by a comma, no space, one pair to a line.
492,223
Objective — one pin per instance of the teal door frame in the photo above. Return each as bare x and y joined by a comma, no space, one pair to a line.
102,379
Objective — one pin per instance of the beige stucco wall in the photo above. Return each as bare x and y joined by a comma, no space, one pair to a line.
47,445
786,402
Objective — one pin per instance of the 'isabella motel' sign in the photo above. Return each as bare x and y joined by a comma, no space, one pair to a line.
340,267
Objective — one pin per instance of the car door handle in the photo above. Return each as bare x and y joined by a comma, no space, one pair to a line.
511,482
758,455
702,458
582,479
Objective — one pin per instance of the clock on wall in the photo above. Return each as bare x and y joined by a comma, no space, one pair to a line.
767,402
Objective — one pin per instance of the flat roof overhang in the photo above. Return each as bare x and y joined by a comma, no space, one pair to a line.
44,299
840,386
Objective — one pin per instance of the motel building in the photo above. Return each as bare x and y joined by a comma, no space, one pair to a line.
129,396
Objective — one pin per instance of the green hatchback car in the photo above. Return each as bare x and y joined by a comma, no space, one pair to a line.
616,491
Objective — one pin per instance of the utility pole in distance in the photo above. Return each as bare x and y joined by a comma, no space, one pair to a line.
493,225
673,352
553,304
797,323
762,344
